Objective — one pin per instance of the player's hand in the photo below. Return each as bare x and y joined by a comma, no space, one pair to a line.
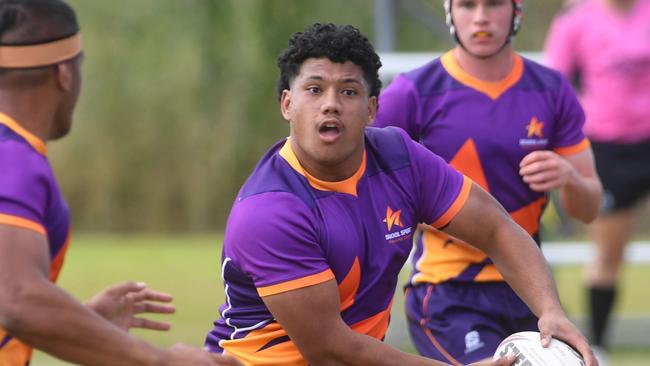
544,170
119,304
503,361
555,324
184,355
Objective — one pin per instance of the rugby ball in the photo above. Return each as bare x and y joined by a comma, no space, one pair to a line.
528,348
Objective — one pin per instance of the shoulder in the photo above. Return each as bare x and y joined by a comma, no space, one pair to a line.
431,78
21,164
270,209
539,77
274,174
389,148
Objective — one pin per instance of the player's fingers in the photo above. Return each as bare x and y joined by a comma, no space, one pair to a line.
535,167
148,307
149,294
545,337
143,323
535,177
157,296
535,156
505,360
125,288
580,344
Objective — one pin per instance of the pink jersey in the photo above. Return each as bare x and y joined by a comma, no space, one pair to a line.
610,52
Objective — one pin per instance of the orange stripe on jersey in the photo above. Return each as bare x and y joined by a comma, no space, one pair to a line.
14,353
528,216
573,149
250,349
491,89
467,161
443,257
57,262
456,206
489,273
349,287
375,326
348,185
34,141
23,223
314,279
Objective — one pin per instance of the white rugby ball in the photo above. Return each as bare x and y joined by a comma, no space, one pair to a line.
528,348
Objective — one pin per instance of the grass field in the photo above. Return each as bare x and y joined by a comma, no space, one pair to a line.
188,267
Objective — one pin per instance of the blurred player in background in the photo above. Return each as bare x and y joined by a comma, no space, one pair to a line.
40,80
515,128
320,230
604,45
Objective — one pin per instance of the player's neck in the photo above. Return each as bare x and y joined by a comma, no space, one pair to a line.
493,68
329,171
30,111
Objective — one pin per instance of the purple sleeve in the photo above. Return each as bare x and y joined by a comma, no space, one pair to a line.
398,106
23,183
442,190
570,118
273,238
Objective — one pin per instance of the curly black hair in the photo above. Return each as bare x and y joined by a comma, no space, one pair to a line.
338,43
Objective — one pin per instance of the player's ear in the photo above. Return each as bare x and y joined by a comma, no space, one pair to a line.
285,104
65,76
372,109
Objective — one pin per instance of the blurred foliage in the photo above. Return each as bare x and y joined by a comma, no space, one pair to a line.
179,100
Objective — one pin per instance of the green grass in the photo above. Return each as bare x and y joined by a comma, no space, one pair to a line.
189,266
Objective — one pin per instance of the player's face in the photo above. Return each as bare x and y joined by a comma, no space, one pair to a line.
328,108
483,26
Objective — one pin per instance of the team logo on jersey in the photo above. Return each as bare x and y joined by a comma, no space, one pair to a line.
534,134
535,128
393,220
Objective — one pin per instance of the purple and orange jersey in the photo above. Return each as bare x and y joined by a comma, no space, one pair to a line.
29,199
483,130
288,230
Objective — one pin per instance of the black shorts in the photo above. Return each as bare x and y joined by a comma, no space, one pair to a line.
624,170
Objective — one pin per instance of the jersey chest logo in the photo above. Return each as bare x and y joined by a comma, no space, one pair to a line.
395,227
534,135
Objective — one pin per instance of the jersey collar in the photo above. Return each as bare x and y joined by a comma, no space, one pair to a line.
493,89
348,186
34,141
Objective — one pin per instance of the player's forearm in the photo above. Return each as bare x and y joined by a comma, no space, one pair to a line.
45,317
358,349
523,266
581,197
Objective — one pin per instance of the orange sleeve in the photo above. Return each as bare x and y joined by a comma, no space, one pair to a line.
456,206
314,279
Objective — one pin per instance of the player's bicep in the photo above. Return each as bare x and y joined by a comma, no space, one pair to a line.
308,314
24,256
478,219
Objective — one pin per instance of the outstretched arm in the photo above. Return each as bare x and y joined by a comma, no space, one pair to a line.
311,317
484,223
42,315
